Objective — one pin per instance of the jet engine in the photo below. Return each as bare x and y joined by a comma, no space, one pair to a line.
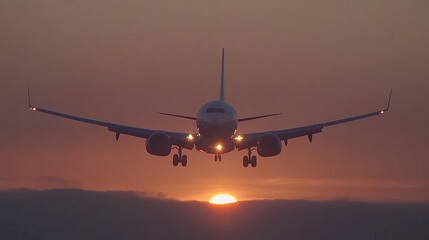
269,145
158,144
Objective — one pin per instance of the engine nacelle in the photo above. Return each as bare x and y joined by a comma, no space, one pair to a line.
269,145
158,144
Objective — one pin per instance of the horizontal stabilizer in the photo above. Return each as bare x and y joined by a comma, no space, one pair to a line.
179,116
257,117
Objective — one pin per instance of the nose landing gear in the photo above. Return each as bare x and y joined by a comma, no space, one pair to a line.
218,157
179,158
249,159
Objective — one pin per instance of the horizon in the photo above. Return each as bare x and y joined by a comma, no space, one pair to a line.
161,196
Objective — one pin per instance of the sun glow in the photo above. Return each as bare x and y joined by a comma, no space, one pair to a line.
222,199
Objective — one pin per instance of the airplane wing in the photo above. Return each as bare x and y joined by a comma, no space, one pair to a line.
251,139
257,117
177,139
179,116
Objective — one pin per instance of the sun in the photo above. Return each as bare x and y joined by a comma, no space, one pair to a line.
222,199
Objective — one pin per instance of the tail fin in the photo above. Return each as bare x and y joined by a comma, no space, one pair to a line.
221,94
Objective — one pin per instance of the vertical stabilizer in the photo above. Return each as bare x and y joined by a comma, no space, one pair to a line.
221,95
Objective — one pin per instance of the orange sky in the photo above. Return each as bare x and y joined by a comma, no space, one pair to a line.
125,61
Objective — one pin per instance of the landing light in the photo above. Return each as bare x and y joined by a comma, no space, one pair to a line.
238,138
218,147
33,108
190,137
382,112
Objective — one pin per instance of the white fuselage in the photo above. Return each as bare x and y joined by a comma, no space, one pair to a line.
217,124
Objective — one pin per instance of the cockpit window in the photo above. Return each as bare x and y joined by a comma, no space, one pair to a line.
215,110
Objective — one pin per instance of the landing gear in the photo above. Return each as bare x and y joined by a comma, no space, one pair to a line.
175,160
249,159
179,158
184,160
253,161
245,161
218,157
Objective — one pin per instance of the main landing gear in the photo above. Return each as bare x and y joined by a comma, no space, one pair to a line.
249,159
218,157
179,158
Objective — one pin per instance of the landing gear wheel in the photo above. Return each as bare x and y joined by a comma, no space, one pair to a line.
215,158
219,157
245,161
249,159
175,160
179,158
184,160
253,161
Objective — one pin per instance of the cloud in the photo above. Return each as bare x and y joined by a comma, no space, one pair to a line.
80,214
374,190
57,182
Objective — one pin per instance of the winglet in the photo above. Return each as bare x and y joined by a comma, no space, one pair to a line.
221,94
29,100
388,103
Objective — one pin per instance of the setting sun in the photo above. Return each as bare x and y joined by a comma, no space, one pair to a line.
222,199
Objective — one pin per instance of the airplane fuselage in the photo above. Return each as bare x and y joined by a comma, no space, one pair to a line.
217,124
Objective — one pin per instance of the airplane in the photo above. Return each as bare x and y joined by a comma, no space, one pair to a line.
217,132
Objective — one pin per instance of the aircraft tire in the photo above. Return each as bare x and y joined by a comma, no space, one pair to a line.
175,160
184,160
245,161
253,161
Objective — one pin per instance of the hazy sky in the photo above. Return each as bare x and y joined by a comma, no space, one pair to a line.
123,61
